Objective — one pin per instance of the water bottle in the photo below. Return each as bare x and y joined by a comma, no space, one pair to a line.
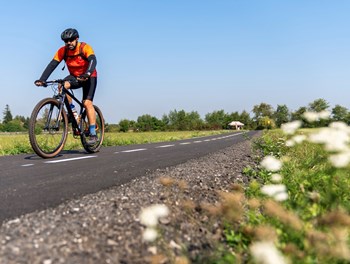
75,113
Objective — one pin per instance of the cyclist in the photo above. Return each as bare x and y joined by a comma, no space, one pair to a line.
81,62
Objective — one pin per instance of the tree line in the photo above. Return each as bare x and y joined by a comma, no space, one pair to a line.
262,116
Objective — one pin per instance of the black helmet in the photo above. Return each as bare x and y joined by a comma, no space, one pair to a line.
69,33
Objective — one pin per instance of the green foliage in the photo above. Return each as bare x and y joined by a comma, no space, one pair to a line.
281,115
111,128
318,105
340,113
245,118
7,116
217,119
148,123
271,143
181,120
14,125
124,125
265,122
262,110
298,114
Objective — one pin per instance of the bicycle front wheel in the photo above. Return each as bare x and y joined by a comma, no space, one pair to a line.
48,128
100,131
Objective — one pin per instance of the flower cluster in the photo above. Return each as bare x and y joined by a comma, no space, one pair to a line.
316,116
149,217
276,191
265,252
335,137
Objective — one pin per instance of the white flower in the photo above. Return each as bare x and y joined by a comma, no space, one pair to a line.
280,197
270,163
324,114
340,126
276,177
316,116
295,140
276,191
290,143
340,160
149,216
150,234
299,138
291,127
333,139
311,116
265,252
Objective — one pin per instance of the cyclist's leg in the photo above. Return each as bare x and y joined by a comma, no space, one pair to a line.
71,83
89,89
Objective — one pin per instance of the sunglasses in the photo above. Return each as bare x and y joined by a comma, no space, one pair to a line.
69,40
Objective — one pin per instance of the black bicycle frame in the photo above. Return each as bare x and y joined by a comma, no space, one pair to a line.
63,97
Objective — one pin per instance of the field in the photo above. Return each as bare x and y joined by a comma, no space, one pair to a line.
12,143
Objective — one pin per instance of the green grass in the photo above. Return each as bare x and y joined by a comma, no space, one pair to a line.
17,143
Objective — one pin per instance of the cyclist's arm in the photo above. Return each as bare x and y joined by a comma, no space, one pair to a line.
59,55
49,69
92,64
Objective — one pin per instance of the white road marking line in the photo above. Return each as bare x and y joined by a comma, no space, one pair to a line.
185,143
64,160
165,146
198,141
27,165
132,150
206,140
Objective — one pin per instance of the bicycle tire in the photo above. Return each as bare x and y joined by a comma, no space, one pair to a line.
46,138
100,130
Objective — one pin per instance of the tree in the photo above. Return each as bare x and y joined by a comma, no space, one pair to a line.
14,125
217,119
235,116
340,113
262,110
7,116
144,123
24,121
195,121
281,115
318,105
148,123
298,114
180,120
245,118
124,125
266,123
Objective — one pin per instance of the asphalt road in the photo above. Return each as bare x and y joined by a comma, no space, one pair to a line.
29,183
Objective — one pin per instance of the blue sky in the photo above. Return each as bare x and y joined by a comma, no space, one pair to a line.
155,56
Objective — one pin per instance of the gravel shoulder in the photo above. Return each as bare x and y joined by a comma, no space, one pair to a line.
105,228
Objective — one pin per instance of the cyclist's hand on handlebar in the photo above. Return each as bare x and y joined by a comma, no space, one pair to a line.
40,83
83,77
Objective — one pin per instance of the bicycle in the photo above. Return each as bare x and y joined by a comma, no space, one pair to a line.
48,124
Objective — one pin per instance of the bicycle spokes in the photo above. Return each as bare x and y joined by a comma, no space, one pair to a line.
48,128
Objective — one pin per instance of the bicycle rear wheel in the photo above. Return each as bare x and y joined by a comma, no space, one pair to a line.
100,131
48,128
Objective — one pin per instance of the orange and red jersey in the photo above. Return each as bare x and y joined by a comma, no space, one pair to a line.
76,63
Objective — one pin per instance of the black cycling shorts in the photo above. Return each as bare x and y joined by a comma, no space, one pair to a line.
89,86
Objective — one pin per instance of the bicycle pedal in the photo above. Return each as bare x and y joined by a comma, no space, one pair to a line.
76,132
